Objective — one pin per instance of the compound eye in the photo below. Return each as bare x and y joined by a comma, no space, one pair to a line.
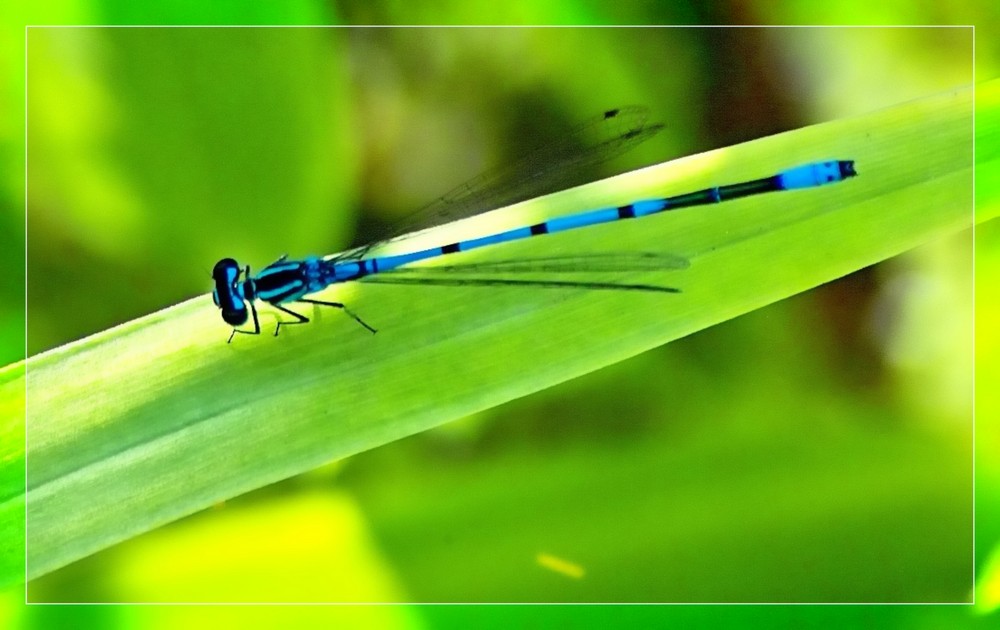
226,293
226,271
234,317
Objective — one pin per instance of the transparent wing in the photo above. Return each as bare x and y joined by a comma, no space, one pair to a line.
442,281
616,262
512,272
556,166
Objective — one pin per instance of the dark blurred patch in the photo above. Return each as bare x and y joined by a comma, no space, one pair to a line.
846,306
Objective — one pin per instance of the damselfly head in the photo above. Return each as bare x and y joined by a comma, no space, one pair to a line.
226,294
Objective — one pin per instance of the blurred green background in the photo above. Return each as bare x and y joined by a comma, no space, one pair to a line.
818,450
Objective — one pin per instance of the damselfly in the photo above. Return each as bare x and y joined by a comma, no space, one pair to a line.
613,132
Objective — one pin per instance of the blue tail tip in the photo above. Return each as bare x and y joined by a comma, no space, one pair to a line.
847,169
